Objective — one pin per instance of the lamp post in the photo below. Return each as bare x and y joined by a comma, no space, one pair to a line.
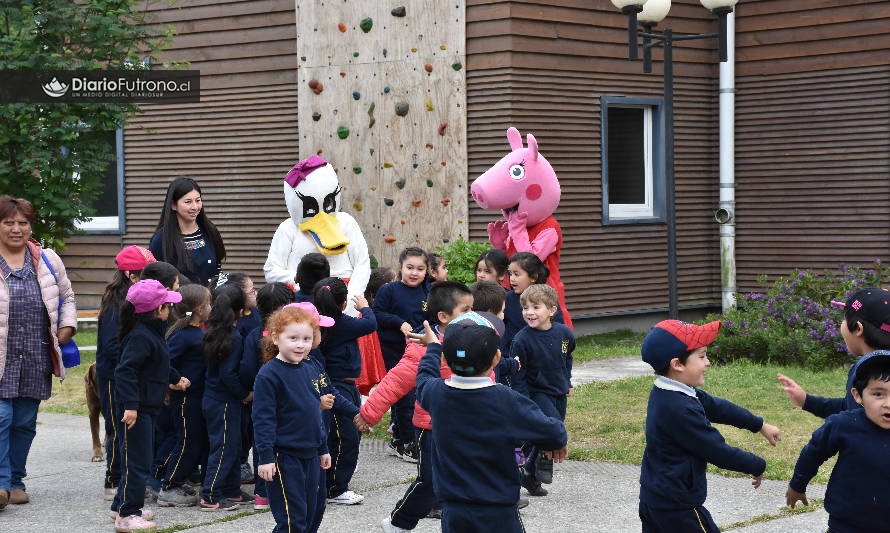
649,13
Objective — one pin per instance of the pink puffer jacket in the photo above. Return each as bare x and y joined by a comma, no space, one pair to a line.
51,292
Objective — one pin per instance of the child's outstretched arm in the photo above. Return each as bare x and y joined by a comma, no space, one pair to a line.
770,433
794,391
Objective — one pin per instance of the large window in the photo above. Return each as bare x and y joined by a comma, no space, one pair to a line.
109,204
632,160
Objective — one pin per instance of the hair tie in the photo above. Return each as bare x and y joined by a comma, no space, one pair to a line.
326,287
221,280
188,314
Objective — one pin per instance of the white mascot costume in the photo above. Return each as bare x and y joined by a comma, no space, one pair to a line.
312,193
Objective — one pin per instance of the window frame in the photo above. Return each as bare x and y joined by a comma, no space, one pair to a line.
113,225
653,144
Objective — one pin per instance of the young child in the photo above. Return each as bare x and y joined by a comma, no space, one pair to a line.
311,268
525,270
400,307
492,266
437,271
490,297
544,350
867,317
478,426
447,300
224,397
380,276
373,368
858,493
680,440
343,363
185,340
290,437
130,262
140,383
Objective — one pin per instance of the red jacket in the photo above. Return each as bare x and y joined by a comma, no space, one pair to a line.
399,381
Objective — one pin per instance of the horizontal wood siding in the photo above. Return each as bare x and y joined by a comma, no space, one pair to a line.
237,142
812,136
89,262
542,67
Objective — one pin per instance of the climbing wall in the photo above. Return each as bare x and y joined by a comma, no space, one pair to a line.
382,98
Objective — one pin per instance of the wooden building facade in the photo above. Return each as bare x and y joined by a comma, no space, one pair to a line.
812,146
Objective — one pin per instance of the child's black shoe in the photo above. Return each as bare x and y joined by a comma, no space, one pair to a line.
543,469
533,486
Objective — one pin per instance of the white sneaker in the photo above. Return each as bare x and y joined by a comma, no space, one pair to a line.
147,514
389,528
132,524
347,498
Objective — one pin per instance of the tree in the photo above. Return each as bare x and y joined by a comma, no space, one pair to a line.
55,154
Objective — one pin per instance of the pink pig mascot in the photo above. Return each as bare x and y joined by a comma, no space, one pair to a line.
524,187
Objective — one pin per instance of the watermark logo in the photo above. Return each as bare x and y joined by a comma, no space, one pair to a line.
99,86
55,89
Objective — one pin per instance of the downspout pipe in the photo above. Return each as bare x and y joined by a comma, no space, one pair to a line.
725,214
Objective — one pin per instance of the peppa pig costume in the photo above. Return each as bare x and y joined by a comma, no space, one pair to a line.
524,187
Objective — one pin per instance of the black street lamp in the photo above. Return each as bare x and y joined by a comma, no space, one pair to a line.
648,13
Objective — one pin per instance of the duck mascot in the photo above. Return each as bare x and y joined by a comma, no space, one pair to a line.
523,186
316,224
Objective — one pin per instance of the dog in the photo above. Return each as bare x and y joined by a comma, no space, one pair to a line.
91,389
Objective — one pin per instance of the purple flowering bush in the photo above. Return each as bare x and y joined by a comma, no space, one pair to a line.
792,321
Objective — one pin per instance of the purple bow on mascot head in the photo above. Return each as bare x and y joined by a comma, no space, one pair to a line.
303,168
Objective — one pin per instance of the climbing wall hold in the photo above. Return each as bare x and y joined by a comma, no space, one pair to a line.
428,67
389,238
413,49
343,132
316,116
401,108
442,126
388,201
358,206
386,90
456,66
398,11
429,146
356,95
342,74
428,104
385,51
429,183
400,183
366,24
302,58
371,119
387,164
443,47
357,170
355,54
341,27
416,203
445,201
316,86
444,163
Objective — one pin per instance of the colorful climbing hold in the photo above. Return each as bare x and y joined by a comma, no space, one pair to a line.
401,108
386,90
429,146
428,67
358,206
414,165
387,164
402,222
445,201
443,163
355,54
302,58
356,170
371,119
388,201
456,66
342,74
366,24
316,86
385,51
400,183
343,132
443,47
341,27
429,183
428,104
416,203
414,50
398,11
389,238
356,95
316,116
442,126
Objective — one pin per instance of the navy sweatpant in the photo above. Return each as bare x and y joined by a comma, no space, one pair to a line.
136,452
343,443
692,520
190,439
223,476
296,494
553,406
480,518
112,458
419,497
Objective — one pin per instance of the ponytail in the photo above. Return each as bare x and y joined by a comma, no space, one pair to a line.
228,302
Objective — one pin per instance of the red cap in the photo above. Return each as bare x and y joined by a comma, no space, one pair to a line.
671,338
134,258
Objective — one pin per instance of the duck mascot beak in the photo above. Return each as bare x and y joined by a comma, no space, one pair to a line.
325,231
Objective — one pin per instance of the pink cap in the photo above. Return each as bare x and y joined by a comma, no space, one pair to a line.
148,294
134,258
323,320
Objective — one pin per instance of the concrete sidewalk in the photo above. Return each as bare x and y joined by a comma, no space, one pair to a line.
66,491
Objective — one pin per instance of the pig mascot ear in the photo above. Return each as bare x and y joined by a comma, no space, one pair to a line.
514,138
532,146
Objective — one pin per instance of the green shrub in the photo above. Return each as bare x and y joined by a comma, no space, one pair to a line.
791,321
460,259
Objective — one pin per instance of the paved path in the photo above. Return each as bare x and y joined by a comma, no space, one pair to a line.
66,489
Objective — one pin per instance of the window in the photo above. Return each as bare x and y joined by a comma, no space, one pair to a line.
632,160
109,204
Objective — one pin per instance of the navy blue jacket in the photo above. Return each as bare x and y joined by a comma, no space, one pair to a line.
205,263
187,356
825,407
680,442
342,357
545,360
395,304
143,373
477,425
858,493
223,383
513,321
108,348
286,414
250,357
248,323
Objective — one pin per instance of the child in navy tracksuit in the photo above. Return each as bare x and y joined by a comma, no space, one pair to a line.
140,382
290,437
224,397
130,262
858,493
477,426
343,364
185,340
680,440
312,268
400,308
